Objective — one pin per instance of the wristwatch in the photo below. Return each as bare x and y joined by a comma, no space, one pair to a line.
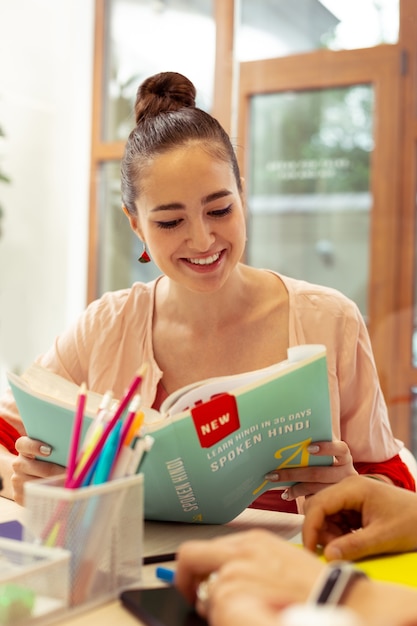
333,583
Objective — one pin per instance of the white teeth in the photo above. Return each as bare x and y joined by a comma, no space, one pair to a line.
206,261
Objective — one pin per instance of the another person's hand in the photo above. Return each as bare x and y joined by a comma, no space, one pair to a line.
26,467
257,574
386,516
312,479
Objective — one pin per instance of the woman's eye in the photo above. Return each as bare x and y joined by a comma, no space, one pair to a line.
170,224
221,212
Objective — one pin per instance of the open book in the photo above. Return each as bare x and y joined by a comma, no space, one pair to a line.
214,440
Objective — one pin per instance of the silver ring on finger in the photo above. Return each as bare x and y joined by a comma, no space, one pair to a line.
203,589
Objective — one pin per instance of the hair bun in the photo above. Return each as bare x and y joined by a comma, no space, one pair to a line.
167,91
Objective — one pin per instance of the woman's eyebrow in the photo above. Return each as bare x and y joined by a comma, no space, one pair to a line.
172,206
216,195
211,197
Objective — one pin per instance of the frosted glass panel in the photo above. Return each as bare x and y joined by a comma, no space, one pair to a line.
309,195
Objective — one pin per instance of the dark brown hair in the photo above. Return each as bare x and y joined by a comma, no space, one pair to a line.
167,118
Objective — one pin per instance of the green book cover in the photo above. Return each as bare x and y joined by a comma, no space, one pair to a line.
214,443
46,403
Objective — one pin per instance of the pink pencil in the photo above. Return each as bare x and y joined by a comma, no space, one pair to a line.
78,480
76,434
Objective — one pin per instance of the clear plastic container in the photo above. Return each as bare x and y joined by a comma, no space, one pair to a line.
34,582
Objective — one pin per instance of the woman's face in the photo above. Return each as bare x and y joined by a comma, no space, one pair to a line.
192,218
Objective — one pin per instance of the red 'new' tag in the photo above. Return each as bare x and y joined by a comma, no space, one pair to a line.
215,419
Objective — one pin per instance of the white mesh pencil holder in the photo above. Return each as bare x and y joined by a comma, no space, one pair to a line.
34,583
100,525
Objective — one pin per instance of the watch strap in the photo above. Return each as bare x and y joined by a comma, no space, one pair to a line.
333,583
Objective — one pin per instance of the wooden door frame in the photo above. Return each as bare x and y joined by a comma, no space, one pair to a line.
404,371
379,67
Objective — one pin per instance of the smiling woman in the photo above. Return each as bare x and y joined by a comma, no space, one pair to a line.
181,186
209,314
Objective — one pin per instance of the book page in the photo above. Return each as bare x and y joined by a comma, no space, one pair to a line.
202,391
45,384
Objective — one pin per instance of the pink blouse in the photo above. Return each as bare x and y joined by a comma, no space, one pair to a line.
113,337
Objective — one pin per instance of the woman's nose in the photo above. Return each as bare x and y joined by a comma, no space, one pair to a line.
200,236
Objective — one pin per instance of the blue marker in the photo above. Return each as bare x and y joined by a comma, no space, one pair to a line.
107,456
166,574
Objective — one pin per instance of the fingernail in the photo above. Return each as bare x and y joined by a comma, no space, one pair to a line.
333,553
285,495
272,476
313,448
45,450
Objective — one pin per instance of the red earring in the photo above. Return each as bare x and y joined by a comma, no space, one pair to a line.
144,257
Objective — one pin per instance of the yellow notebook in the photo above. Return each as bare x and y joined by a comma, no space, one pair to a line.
395,568
391,568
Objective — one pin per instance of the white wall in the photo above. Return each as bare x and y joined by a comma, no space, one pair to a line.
46,49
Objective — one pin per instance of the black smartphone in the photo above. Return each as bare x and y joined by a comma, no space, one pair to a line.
161,606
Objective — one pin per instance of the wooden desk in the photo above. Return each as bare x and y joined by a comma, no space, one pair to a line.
164,537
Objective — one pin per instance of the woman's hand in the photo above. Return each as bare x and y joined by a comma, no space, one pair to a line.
257,574
386,515
314,478
26,467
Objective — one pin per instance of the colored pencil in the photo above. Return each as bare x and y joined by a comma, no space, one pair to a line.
102,413
76,434
79,479
134,405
